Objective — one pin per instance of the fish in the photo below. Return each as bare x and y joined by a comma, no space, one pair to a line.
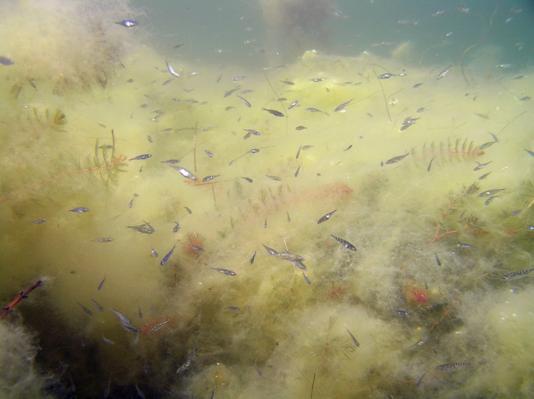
326,217
430,165
488,144
275,178
128,23
525,98
481,165
343,106
209,153
353,338
248,179
415,86
6,61
271,251
397,159
101,284
186,173
86,310
293,104
288,82
406,123
171,70
531,153
131,202
140,157
245,101
80,209
346,244
484,176
231,91
297,171
300,127
125,322
274,112
385,75
438,261
153,253
490,193
509,276
107,341
315,110
444,72
306,279
145,228
139,392
176,227
209,178
251,132
226,272
166,258
449,367
103,240
187,364
39,221
252,258
97,305
171,161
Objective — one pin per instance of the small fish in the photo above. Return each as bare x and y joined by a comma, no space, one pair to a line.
274,112
490,193
39,221
525,98
481,165
343,106
139,392
171,70
531,153
444,72
226,272
97,305
127,23
245,101
306,278
171,161
140,157
484,176
429,165
415,86
518,77
464,245
209,153
326,217
396,159
86,310
348,147
252,258
107,341
300,127
176,227
449,367
288,82
385,75
251,132
231,91
185,173
131,202
275,178
139,313
517,275
101,284
406,123
103,240
6,61
153,253
293,104
438,261
125,322
315,110
297,172
248,179
346,244
166,258
271,251
488,144
209,178
145,228
353,338
80,209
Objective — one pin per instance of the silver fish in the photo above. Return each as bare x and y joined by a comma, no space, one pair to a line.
396,159
140,157
226,272
6,61
172,71
125,322
245,101
185,173
490,193
231,91
353,338
145,228
209,178
80,209
270,250
345,243
128,23
326,217
444,72
274,112
166,258
343,106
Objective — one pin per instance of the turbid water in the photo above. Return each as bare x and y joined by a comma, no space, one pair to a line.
286,199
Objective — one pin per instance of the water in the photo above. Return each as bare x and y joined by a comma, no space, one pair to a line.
288,199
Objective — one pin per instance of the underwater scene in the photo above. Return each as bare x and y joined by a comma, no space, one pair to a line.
266,199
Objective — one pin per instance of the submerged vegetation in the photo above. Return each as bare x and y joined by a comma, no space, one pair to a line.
211,232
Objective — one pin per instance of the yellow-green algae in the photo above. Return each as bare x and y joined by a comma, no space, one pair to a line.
266,332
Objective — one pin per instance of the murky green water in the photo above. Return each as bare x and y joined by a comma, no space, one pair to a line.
266,199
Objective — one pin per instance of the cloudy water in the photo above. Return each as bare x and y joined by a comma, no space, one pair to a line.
266,199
